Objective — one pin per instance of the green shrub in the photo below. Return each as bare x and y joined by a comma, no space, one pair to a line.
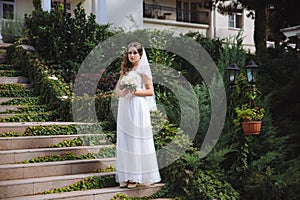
12,30
192,177
64,41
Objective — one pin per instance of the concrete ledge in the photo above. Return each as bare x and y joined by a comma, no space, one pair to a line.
13,156
5,99
35,170
13,80
27,47
103,194
24,187
31,142
4,45
2,59
25,85
7,108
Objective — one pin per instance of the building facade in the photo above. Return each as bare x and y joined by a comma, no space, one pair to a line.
178,16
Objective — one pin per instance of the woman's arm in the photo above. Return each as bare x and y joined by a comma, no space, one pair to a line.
149,91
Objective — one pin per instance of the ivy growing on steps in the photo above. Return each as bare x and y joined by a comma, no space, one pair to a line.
161,194
15,87
11,134
56,157
88,183
27,109
7,67
60,130
10,73
22,101
32,117
17,93
68,143
104,152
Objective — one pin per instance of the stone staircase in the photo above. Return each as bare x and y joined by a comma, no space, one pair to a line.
28,181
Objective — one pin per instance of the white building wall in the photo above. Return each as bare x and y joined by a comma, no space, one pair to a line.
224,31
128,15
125,14
89,6
23,7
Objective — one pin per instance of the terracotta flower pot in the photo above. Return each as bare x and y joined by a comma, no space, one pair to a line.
252,127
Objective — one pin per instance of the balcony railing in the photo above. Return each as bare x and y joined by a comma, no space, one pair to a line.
178,14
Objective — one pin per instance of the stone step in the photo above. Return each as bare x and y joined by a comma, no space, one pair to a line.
7,108
101,194
22,126
19,86
33,186
5,45
13,156
29,142
22,108
24,85
60,168
5,99
13,80
2,59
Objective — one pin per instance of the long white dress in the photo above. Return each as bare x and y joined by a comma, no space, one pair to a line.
136,157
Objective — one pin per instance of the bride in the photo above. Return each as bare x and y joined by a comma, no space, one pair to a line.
136,157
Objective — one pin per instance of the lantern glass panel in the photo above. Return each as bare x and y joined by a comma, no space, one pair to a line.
250,75
233,72
231,77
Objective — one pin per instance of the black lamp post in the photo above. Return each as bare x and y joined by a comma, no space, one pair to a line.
65,8
233,72
251,70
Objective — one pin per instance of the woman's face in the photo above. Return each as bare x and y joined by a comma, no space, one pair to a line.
133,55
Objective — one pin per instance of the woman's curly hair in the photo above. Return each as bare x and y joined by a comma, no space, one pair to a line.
126,65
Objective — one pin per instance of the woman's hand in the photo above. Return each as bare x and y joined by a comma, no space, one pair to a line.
121,93
126,91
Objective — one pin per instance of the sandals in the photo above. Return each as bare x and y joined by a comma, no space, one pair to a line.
132,185
124,184
128,185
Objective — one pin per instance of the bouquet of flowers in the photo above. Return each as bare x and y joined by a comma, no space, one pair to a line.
129,81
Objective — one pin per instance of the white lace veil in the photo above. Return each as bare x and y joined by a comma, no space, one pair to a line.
144,69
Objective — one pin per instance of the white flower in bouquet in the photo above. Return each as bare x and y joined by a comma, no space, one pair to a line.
130,81
53,77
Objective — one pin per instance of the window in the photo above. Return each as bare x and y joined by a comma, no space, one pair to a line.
7,9
189,11
235,20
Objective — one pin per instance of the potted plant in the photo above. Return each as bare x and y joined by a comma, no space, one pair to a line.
250,118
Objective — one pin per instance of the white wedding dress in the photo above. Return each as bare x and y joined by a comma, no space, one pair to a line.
136,156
